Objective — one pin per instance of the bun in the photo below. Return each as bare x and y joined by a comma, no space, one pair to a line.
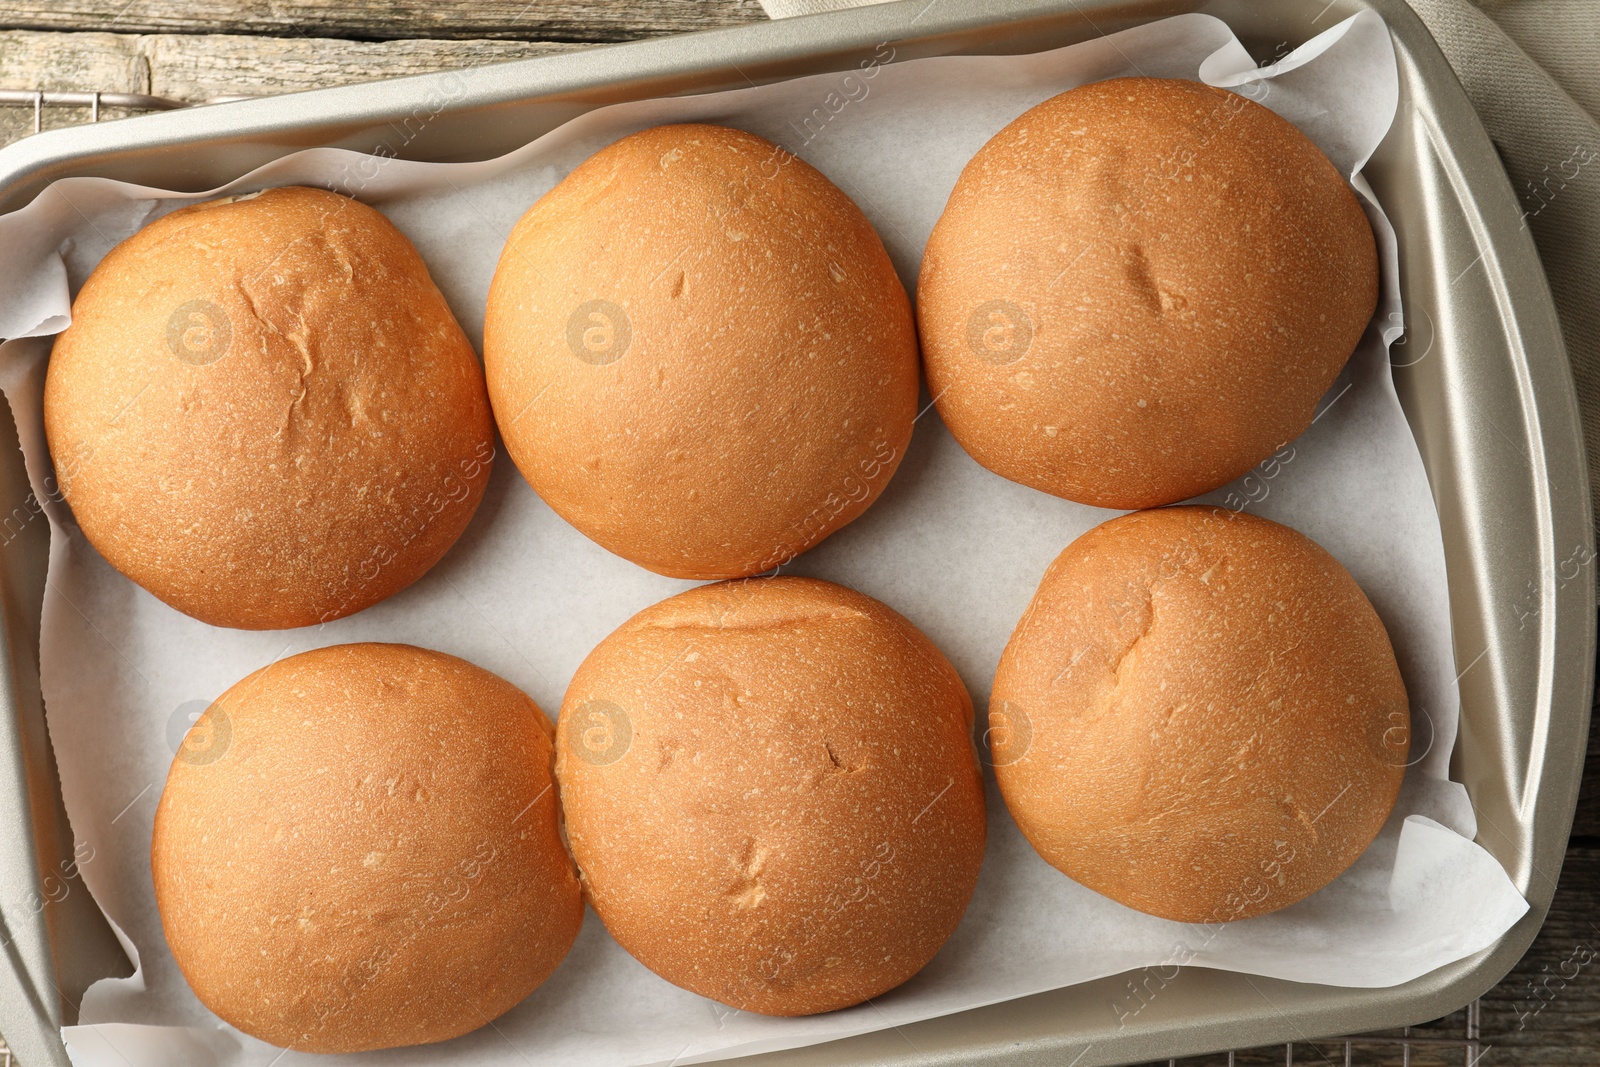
699,353
264,413
1199,716
358,848
1139,290
771,791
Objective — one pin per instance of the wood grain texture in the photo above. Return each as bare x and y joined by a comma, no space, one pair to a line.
1586,821
549,20
1546,1012
197,68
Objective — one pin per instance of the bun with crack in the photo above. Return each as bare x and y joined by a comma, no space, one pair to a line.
1200,715
771,791
1139,290
264,412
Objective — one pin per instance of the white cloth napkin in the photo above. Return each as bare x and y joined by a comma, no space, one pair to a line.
1532,70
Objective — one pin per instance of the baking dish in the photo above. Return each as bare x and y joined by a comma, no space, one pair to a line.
1482,376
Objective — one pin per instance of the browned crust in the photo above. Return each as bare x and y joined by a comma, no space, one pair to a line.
1200,715
763,370
374,859
797,821
1139,289
264,412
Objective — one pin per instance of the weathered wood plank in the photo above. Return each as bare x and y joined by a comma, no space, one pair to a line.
66,61
196,68
200,68
551,20
72,61
1586,822
1546,1011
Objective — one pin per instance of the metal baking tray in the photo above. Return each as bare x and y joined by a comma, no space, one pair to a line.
1483,378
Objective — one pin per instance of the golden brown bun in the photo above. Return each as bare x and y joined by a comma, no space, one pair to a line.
771,793
1140,289
699,353
362,851
1199,716
264,413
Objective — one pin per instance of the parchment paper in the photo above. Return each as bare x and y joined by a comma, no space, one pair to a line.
955,548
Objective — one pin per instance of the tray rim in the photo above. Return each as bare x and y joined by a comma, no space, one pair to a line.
587,78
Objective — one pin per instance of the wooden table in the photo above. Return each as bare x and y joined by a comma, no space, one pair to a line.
1547,1011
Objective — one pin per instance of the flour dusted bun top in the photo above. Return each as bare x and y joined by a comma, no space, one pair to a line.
1140,289
699,353
264,412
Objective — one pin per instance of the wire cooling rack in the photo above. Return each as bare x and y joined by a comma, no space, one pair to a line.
40,99
1429,1046
94,101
